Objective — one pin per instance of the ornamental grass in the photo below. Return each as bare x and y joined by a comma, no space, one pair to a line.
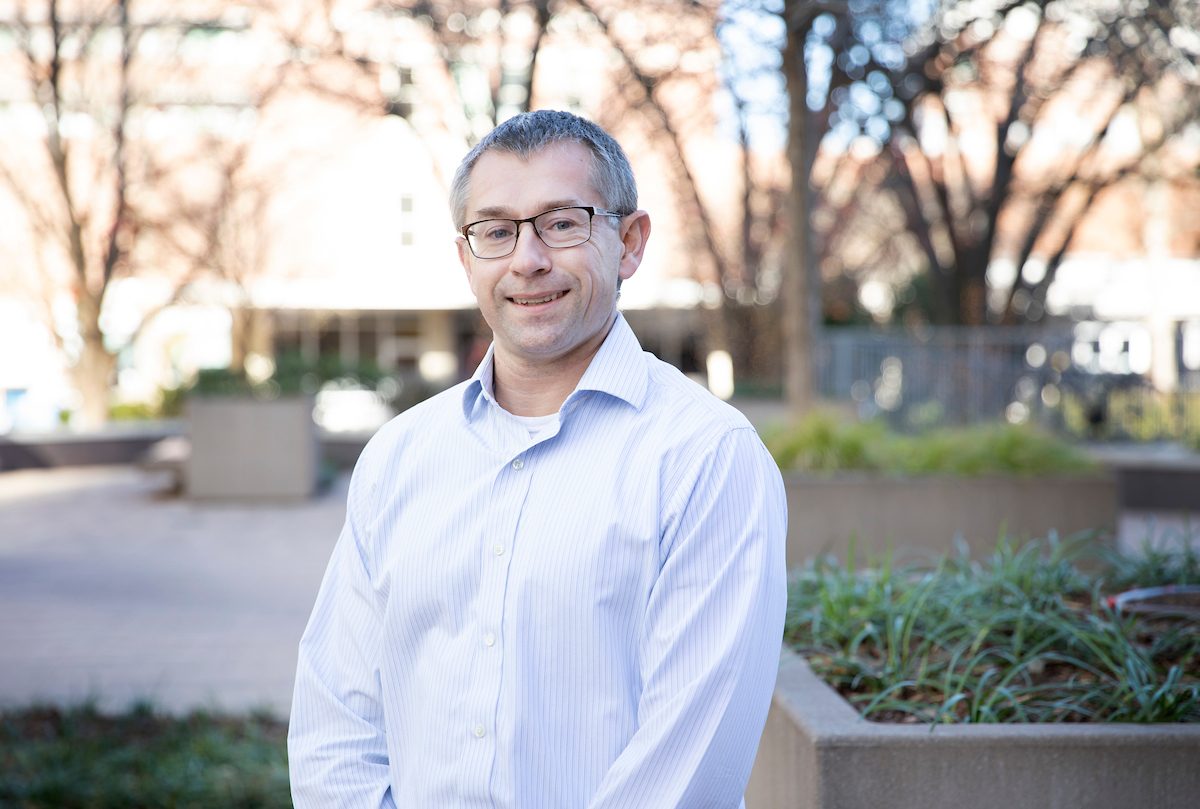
1023,636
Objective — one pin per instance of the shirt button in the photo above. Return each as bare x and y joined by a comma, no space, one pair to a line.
490,640
499,550
518,463
479,731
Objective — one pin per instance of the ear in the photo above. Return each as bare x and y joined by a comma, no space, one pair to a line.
635,231
464,258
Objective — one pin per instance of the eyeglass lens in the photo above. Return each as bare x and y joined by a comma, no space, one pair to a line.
565,227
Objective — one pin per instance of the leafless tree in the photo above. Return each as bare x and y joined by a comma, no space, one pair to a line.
102,197
1001,123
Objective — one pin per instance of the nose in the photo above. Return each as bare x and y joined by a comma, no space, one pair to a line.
530,254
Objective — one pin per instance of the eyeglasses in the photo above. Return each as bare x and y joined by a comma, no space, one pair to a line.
557,227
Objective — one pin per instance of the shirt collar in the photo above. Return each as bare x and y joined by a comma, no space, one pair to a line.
618,369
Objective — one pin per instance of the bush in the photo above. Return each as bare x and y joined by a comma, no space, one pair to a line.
220,382
133,411
294,375
78,757
823,443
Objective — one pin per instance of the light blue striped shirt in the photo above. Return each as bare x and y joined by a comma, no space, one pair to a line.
591,618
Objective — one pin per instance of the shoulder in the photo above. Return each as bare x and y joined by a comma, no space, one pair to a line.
693,428
688,405
713,466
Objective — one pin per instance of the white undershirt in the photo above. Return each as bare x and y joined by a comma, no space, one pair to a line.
538,424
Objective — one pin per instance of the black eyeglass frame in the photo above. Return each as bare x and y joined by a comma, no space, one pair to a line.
592,211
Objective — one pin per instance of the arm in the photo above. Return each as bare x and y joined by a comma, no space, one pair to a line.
710,644
337,745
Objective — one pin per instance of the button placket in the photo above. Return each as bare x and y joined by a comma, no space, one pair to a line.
510,489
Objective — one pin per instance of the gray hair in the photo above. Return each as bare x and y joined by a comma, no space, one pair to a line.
532,132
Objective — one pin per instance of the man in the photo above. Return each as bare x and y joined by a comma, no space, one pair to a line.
560,583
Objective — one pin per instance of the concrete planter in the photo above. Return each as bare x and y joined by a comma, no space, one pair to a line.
816,753
245,448
928,512
114,444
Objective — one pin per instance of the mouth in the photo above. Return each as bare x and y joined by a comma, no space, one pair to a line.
536,301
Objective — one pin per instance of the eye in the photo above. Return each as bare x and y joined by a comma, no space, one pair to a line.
562,221
496,231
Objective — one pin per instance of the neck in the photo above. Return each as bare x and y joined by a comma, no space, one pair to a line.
528,386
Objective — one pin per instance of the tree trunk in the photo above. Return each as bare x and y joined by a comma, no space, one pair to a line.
92,373
797,326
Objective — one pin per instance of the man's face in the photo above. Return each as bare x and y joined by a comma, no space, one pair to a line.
546,304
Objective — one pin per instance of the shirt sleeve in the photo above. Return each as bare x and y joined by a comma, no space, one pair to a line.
710,645
337,745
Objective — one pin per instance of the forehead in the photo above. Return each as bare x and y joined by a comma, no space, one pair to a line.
506,184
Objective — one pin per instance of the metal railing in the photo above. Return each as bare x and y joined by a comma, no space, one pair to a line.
966,375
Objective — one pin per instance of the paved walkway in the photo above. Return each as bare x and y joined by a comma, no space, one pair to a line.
111,587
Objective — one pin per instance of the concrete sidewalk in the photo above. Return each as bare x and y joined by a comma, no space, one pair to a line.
113,588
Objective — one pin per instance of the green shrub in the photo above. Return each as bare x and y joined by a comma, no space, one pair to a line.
169,406
78,757
823,443
1024,636
1138,413
293,374
171,403
134,411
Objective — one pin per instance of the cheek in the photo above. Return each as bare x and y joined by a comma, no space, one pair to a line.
481,288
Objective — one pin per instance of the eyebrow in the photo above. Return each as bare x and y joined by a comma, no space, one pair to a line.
504,212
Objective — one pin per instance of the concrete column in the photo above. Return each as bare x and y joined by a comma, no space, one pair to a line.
385,341
348,338
310,336
1156,239
671,326
239,337
1164,371
438,362
253,334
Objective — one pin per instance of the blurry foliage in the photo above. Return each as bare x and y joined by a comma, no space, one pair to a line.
294,375
53,758
822,442
170,406
133,411
1022,636
170,403
1139,413
220,382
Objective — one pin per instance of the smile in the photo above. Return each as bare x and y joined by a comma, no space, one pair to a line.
535,301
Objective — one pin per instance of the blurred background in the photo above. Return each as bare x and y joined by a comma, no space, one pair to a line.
930,212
